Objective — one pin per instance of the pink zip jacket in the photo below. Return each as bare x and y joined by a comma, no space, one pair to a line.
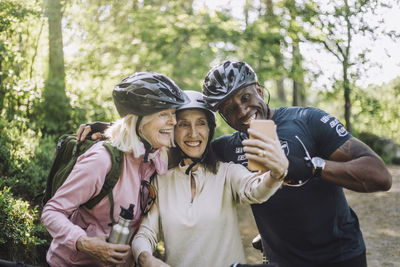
65,218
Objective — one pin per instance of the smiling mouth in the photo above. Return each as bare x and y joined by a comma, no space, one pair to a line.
193,143
249,119
166,131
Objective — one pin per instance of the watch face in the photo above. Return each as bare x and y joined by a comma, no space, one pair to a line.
318,166
318,162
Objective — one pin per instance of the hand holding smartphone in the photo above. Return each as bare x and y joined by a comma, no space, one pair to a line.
266,127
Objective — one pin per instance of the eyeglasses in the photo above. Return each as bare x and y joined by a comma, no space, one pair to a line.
148,196
307,158
293,183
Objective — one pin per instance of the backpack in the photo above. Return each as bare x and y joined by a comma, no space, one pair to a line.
68,151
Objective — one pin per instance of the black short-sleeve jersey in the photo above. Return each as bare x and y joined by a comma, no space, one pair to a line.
312,223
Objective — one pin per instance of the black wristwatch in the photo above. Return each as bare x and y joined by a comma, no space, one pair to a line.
318,165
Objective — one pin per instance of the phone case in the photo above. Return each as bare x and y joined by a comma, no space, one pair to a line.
266,127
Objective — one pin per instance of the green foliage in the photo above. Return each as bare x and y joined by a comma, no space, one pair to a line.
376,110
13,21
20,231
175,41
263,43
222,127
25,159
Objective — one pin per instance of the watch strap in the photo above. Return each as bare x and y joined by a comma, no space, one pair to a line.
317,172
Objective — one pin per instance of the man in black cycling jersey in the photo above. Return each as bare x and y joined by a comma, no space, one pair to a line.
308,222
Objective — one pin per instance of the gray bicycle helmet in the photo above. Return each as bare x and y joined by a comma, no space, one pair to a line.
197,102
145,93
225,79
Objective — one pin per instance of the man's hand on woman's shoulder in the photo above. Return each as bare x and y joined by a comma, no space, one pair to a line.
94,130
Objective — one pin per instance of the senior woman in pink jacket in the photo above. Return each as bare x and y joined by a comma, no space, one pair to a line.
146,102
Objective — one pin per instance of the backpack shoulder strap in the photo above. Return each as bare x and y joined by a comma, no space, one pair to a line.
67,152
111,178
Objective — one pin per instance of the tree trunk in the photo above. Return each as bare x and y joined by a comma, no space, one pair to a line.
56,54
56,106
279,83
2,88
135,5
347,105
246,12
270,16
346,64
270,7
297,76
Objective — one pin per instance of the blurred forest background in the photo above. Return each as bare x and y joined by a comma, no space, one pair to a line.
59,61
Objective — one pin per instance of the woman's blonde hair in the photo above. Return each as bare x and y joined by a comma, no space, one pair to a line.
122,133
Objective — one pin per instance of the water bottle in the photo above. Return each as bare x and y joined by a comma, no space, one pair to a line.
120,232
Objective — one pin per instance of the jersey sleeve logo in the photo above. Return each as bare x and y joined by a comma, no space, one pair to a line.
242,158
239,150
326,118
341,131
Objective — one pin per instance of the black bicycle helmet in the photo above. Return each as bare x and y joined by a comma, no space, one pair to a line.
145,93
225,79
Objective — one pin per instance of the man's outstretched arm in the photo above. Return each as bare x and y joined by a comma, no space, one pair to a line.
356,167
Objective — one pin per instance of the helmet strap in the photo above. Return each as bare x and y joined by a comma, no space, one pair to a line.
195,161
222,115
268,109
147,146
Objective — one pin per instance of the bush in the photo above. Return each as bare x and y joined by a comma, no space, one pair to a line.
25,159
386,148
20,235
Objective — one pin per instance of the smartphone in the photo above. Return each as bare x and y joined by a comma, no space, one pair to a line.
266,127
